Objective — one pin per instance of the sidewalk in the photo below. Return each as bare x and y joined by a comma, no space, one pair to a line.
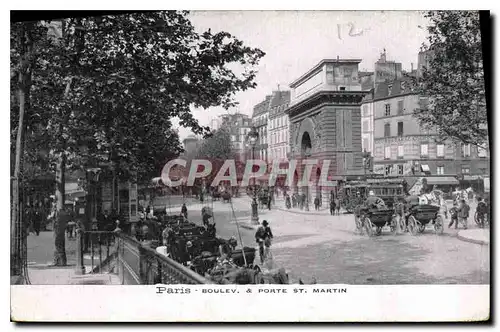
41,271
479,236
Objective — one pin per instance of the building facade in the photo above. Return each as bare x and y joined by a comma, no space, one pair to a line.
367,123
386,71
279,126
325,122
403,147
238,125
260,122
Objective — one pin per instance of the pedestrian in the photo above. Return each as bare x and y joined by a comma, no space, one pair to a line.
316,203
294,201
320,200
37,221
263,238
463,213
337,205
184,210
287,201
482,210
28,214
269,200
454,215
332,207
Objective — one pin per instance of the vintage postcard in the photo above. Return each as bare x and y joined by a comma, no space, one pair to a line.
332,164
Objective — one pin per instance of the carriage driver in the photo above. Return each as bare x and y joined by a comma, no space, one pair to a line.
374,201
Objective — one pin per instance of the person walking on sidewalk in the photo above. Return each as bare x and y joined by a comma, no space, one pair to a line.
269,200
463,213
332,206
337,206
316,203
37,221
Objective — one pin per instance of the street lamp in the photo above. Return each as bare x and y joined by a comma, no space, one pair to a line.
253,137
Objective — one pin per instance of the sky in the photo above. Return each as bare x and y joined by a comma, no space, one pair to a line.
295,41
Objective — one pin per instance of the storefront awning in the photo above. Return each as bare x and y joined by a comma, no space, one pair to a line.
445,180
425,168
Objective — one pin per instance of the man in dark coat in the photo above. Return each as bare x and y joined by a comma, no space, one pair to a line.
37,221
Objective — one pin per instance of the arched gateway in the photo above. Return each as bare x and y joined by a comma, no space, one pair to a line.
325,119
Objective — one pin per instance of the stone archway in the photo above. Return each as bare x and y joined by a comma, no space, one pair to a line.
305,145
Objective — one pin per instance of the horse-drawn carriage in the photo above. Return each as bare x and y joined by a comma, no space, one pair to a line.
418,216
372,216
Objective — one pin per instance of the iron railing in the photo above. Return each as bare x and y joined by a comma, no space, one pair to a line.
136,263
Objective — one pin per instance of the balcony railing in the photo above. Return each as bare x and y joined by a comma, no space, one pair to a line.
136,263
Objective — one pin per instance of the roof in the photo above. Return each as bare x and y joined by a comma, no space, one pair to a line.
314,69
262,107
445,180
394,88
279,98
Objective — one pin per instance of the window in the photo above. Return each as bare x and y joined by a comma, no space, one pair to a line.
387,130
387,152
465,170
400,129
365,110
440,150
366,126
440,170
387,169
400,169
401,151
400,107
424,150
465,150
387,109
481,151
366,144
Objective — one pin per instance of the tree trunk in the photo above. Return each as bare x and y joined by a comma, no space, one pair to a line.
60,223
17,233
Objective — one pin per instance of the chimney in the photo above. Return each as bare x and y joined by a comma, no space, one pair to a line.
412,67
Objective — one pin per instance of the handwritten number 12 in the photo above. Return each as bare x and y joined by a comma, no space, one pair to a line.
351,30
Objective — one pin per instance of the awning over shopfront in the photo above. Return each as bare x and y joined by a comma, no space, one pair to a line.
444,180
425,168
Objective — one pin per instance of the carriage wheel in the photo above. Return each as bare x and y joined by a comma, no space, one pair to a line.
439,225
421,227
479,221
359,223
368,226
412,225
378,230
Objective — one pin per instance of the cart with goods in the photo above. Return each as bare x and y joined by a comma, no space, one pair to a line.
419,216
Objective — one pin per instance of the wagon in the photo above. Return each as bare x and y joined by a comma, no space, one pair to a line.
420,215
375,219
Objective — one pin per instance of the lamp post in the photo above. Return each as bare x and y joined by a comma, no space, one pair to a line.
253,137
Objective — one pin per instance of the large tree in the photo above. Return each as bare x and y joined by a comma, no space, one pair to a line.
113,84
453,81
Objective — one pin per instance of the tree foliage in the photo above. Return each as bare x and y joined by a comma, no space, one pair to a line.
125,77
453,82
104,89
216,146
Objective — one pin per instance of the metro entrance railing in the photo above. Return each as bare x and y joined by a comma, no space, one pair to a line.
134,262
